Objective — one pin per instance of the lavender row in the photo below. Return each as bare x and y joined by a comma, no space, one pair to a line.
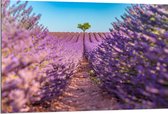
20,81
35,65
132,65
63,60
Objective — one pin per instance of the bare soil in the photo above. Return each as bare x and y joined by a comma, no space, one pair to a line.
82,94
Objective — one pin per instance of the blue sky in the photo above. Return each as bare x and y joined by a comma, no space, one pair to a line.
65,16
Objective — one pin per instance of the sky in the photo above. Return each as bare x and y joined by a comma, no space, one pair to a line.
65,16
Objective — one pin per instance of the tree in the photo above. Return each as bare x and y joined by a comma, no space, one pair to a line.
84,26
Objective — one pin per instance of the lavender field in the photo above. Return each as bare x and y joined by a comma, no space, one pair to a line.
123,68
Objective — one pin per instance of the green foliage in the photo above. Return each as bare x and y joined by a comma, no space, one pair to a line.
93,77
152,18
95,80
84,26
91,72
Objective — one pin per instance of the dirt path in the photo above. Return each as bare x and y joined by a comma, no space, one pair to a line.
81,94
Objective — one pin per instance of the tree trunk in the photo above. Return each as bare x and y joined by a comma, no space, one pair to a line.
84,45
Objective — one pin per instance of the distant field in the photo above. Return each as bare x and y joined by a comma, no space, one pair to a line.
87,36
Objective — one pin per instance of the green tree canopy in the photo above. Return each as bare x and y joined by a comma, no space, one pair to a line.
84,26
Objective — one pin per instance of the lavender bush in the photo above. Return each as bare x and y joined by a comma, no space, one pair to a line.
34,66
132,65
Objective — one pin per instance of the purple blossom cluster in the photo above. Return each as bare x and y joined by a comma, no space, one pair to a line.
132,65
20,81
36,66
